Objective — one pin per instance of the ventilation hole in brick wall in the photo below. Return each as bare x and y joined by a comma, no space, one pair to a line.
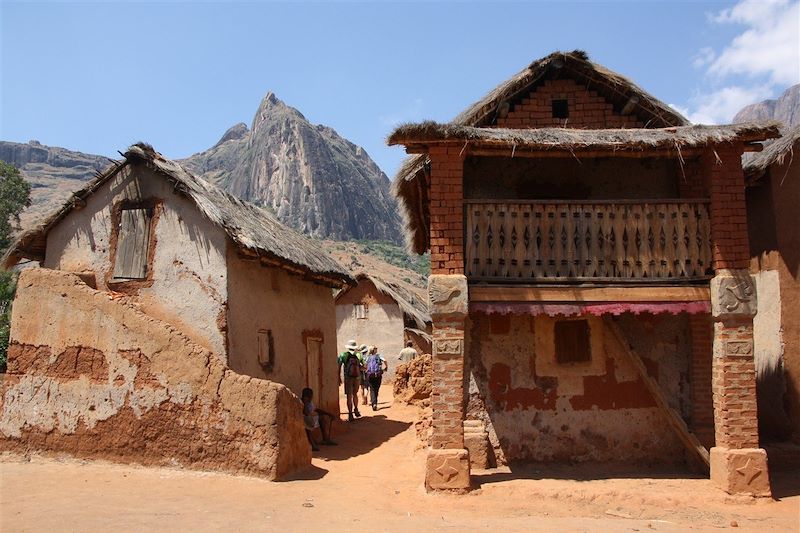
560,109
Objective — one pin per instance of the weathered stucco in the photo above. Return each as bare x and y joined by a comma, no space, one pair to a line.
186,286
536,409
262,298
383,327
775,247
93,376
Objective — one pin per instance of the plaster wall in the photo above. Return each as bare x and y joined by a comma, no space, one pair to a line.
186,285
262,298
383,327
538,410
775,249
96,377
528,178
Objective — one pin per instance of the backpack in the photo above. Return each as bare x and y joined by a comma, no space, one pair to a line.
374,366
352,366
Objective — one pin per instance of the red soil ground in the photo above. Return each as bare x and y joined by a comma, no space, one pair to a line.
373,480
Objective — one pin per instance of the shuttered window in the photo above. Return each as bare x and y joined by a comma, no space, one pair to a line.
572,342
360,310
133,241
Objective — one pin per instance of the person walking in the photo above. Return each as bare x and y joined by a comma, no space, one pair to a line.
364,383
408,353
350,365
376,366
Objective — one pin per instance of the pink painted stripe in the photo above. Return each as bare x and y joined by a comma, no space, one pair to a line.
612,308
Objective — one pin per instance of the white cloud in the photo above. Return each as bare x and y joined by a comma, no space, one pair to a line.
764,57
721,105
770,46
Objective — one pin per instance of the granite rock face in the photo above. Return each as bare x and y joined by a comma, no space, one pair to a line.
786,109
313,179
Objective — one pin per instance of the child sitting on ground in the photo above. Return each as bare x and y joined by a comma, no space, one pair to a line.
316,418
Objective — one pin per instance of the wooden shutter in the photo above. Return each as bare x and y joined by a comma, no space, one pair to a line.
572,342
133,242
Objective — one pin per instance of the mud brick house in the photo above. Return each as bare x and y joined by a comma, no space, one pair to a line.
159,300
383,314
773,196
590,292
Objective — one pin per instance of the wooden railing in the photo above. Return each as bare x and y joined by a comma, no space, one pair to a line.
594,241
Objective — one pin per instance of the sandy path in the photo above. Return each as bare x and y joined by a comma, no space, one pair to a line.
372,480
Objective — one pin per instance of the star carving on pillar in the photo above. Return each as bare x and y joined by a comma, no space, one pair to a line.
447,470
750,471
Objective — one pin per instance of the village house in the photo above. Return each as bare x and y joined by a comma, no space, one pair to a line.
773,196
384,314
590,292
159,298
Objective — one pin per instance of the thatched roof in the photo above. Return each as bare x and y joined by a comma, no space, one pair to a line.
253,229
410,182
775,152
413,303
574,140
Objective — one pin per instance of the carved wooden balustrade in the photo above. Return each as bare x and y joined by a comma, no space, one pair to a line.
614,241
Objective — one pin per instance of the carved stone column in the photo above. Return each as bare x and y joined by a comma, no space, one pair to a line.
738,465
448,460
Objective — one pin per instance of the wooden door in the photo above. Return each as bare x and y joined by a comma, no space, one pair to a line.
314,367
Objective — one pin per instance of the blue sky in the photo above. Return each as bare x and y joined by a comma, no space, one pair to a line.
96,77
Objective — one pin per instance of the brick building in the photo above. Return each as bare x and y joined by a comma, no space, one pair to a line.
589,257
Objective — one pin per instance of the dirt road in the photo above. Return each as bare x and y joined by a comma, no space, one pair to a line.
373,481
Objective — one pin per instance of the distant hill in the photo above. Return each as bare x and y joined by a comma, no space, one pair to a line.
52,172
786,109
314,180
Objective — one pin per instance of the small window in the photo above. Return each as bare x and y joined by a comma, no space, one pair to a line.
572,342
360,310
560,109
133,243
266,349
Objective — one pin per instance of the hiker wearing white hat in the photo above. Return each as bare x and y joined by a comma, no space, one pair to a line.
350,365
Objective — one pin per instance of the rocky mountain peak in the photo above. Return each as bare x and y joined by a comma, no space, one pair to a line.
234,133
785,109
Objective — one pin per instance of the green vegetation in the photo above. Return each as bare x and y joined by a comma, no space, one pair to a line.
15,195
397,255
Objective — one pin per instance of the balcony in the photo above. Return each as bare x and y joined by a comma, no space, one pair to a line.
604,242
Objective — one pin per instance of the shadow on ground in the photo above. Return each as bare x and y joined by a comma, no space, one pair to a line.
582,472
361,435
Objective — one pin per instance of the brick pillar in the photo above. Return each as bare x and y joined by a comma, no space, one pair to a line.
448,461
738,465
447,210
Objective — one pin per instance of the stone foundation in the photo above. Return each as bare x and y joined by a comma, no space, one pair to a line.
741,471
447,469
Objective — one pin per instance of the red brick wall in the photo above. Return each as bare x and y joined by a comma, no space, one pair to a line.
728,208
701,331
447,391
587,109
447,210
734,382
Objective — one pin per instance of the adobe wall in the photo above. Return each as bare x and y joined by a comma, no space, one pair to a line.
95,377
775,261
538,410
383,326
570,178
268,298
186,284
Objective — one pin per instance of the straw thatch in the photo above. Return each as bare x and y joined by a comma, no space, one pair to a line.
775,152
410,184
413,304
544,139
253,229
